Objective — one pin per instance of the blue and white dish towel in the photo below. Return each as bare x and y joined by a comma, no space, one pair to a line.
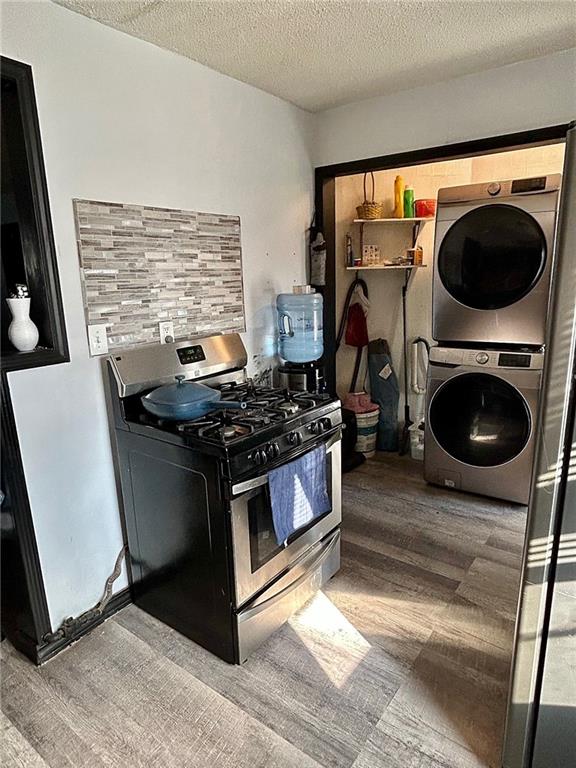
298,493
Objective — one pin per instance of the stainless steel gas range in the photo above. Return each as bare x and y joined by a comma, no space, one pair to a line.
196,502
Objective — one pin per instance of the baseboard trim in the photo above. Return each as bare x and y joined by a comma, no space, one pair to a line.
48,650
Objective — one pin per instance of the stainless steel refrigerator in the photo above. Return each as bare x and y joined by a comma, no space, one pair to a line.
541,722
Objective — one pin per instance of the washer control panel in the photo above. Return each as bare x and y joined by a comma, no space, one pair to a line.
487,358
514,360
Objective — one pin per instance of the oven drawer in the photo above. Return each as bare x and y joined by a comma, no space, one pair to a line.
260,618
257,558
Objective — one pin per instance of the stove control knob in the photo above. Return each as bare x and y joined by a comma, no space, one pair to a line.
326,423
294,438
316,427
494,189
259,457
273,450
482,358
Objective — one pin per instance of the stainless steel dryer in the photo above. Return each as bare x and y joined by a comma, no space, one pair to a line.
481,409
492,261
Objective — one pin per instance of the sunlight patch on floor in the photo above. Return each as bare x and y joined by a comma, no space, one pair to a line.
337,646
413,604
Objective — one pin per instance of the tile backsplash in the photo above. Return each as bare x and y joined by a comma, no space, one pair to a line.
142,265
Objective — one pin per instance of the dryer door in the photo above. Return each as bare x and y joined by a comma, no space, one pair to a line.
480,419
492,257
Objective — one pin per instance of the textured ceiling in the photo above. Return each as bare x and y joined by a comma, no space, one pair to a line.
321,53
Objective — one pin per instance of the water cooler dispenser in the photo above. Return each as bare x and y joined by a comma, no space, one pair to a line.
301,344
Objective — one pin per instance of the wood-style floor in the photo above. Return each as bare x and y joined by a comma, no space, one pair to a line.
401,662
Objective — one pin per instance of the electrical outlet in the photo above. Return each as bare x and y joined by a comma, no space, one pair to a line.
166,332
97,339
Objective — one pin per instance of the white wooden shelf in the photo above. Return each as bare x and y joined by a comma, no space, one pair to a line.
387,266
394,220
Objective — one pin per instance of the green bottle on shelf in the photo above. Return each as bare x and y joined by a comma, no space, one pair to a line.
409,203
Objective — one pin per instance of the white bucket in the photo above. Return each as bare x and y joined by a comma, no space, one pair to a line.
367,424
417,441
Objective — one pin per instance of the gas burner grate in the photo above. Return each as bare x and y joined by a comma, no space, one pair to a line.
265,407
259,419
224,427
224,433
263,397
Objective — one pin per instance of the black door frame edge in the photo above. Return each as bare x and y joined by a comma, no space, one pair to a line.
24,525
325,198
29,622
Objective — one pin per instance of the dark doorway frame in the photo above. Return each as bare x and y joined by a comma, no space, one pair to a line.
25,612
325,202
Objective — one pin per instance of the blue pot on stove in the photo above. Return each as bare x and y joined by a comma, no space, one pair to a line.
185,400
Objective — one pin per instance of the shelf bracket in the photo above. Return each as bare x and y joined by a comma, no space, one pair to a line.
416,233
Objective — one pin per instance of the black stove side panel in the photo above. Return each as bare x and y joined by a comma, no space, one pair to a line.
178,540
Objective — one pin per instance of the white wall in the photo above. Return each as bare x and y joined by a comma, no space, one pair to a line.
519,97
122,120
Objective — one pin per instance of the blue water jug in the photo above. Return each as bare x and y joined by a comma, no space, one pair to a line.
300,319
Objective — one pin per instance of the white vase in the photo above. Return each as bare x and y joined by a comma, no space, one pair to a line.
22,332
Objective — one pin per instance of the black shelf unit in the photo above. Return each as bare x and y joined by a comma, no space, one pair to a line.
24,174
28,255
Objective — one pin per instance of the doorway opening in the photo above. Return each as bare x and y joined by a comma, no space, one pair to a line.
443,564
385,315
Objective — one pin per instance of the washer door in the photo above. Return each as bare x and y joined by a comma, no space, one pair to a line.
480,419
492,256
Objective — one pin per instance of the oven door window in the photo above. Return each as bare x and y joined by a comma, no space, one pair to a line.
480,420
263,545
492,257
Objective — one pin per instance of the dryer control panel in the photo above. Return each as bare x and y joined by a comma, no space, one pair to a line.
487,358
497,189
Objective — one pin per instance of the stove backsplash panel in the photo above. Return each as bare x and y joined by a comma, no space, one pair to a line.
142,265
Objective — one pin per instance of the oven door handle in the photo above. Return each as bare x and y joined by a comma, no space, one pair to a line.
310,563
257,482
249,485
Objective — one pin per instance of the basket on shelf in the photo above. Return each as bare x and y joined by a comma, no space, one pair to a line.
370,209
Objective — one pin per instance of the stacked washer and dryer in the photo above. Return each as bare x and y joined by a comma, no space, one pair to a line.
493,253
